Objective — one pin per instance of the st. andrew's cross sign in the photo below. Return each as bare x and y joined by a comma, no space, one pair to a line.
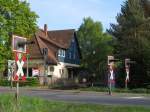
19,47
20,60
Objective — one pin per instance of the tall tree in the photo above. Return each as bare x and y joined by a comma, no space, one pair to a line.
15,18
132,32
94,46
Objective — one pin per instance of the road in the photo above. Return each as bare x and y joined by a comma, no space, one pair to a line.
83,97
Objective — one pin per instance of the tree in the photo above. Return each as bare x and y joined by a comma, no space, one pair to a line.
132,33
94,46
15,18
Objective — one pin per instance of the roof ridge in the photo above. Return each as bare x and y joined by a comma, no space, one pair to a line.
59,38
61,30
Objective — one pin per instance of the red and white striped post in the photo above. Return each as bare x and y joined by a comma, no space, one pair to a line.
127,68
111,79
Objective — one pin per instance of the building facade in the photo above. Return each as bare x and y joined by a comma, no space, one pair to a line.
54,55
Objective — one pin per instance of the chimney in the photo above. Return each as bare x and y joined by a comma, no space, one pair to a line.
45,29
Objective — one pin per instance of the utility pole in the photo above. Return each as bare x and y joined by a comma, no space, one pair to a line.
27,64
45,53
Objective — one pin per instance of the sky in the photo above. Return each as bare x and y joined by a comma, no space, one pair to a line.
69,14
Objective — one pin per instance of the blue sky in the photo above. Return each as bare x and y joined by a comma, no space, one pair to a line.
69,14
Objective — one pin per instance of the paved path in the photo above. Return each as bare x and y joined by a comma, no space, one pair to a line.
84,97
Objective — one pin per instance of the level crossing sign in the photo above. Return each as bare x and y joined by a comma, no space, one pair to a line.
19,48
20,60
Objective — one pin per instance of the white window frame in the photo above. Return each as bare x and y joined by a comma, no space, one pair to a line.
61,53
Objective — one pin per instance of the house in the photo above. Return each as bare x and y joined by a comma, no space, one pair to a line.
55,54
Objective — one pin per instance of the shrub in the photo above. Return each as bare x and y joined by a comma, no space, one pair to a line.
118,90
29,82
4,82
139,90
148,87
64,84
97,89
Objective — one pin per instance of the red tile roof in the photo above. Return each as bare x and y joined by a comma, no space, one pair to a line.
62,37
53,41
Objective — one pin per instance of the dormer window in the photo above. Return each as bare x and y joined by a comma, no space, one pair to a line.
61,53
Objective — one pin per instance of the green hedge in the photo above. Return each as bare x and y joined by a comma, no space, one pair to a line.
4,82
148,87
29,82
97,89
118,90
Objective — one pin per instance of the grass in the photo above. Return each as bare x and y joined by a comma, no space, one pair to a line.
30,104
117,90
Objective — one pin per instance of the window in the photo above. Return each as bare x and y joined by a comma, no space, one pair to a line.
52,69
61,71
61,53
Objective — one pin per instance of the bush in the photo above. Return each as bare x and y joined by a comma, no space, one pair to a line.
4,82
148,87
139,90
118,90
64,84
29,82
97,89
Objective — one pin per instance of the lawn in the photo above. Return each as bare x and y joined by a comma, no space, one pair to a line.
117,90
30,104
